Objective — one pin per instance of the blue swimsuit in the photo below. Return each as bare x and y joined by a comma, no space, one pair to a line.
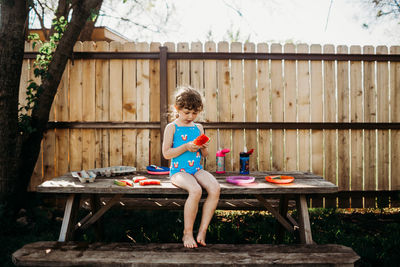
188,161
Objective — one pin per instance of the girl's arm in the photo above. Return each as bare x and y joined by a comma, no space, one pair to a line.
167,149
203,148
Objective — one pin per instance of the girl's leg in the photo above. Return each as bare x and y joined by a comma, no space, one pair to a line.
208,182
188,183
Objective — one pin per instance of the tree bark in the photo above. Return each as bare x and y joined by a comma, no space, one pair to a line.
12,33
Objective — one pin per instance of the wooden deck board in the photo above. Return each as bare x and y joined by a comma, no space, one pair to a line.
127,254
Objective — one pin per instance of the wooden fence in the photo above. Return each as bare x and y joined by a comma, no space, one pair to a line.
330,110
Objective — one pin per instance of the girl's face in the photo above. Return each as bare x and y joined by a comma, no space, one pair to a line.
187,116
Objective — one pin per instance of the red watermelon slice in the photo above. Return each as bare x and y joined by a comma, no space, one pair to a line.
201,140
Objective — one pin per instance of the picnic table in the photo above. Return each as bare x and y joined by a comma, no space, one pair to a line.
305,184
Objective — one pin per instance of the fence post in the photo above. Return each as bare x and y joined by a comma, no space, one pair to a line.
163,97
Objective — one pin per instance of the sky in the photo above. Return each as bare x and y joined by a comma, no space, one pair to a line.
338,22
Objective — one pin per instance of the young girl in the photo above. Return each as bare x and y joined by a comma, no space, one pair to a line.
186,171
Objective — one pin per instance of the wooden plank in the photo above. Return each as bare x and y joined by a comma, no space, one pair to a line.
395,117
277,106
237,97
197,69
369,135
62,114
304,220
311,185
317,112
330,116
264,109
88,108
183,67
143,103
130,109
343,135
303,109
155,138
290,88
102,106
75,110
69,219
211,104
47,253
382,87
356,139
116,83
171,79
224,104
250,101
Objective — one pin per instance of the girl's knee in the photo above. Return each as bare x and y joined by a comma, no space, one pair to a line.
214,190
195,191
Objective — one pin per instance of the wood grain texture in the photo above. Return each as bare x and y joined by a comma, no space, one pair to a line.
128,254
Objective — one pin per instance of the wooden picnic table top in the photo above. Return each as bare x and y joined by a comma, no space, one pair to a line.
304,183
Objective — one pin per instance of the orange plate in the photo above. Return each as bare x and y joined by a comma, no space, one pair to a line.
279,179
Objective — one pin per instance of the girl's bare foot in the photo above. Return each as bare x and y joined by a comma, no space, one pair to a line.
188,241
201,238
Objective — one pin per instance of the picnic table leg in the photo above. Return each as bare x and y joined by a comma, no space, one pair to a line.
70,217
304,220
98,225
283,209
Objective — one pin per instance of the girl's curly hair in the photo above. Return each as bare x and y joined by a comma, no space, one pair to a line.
188,98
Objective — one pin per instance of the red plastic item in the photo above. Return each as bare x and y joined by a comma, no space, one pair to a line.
279,179
137,179
150,182
201,140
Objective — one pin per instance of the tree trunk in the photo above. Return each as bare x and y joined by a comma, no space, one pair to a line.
12,33
30,144
86,33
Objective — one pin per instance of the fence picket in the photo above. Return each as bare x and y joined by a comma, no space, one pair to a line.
250,101
211,103
303,109
330,116
116,105
88,108
224,104
237,102
102,106
155,138
264,110
129,107
382,88
395,117
183,67
75,103
356,139
317,112
277,105
369,135
290,98
343,135
143,103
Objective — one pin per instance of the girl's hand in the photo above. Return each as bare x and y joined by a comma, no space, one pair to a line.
191,147
205,145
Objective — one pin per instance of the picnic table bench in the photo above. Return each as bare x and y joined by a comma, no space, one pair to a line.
305,184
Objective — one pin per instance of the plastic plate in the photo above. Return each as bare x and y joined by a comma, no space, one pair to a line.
279,179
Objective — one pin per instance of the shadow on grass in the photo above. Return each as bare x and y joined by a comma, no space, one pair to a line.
374,236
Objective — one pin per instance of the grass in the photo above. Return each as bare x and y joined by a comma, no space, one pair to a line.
373,234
